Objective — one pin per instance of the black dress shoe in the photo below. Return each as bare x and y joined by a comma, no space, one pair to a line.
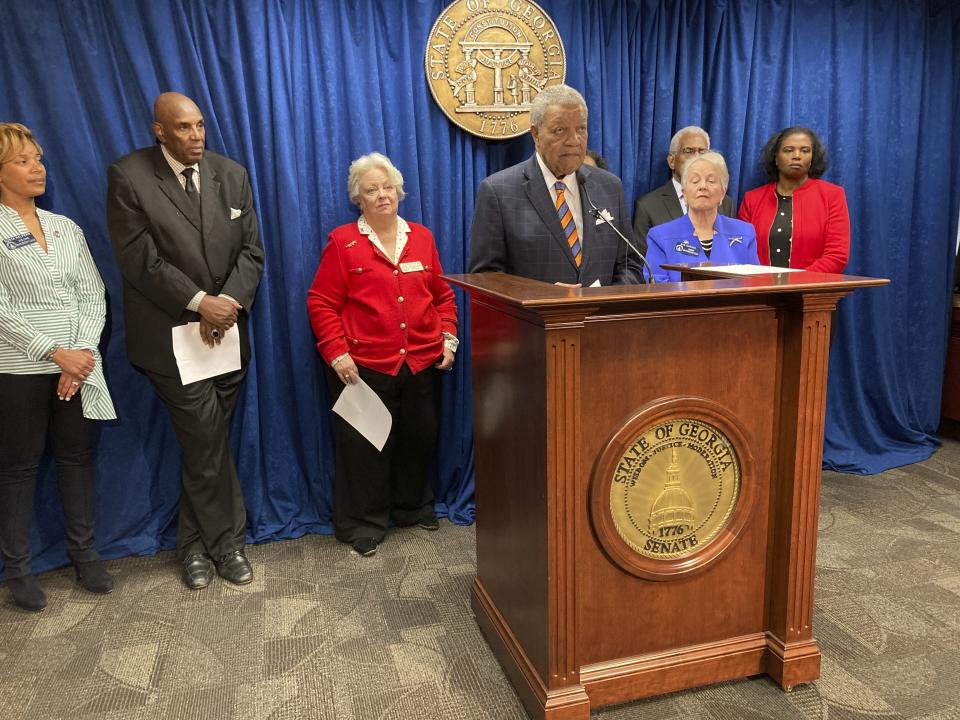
197,571
234,567
431,523
27,593
94,577
365,546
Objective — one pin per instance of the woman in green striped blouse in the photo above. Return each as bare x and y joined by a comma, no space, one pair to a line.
52,310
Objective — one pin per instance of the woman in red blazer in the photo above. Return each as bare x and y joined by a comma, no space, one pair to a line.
801,220
382,314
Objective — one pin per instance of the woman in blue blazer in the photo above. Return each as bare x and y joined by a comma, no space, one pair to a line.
703,234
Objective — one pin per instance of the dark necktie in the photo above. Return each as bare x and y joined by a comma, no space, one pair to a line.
190,189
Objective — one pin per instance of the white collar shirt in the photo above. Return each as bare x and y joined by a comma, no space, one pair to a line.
571,195
679,190
402,229
178,168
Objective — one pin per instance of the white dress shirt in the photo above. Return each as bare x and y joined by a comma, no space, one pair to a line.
571,195
680,197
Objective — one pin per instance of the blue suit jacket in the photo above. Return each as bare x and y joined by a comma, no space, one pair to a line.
674,242
516,229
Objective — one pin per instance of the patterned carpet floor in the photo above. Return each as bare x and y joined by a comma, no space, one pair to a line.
323,634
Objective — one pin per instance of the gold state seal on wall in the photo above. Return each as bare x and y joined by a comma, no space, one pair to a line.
674,488
487,59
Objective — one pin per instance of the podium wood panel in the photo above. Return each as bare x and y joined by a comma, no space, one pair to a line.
557,372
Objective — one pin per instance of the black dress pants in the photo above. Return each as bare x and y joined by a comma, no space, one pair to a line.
33,413
213,518
371,488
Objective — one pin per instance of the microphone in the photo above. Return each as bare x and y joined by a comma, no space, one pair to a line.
598,214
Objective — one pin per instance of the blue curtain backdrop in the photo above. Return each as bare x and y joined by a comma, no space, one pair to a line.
295,89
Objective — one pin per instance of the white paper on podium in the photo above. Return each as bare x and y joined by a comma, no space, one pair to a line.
197,361
748,269
364,410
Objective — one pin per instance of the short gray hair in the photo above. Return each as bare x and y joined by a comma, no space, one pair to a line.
715,159
364,164
696,129
554,95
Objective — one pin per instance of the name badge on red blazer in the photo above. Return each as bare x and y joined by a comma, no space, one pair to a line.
19,241
415,266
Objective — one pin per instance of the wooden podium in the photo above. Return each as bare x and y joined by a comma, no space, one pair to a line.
564,380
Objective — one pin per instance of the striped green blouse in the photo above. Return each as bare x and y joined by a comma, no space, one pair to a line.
50,298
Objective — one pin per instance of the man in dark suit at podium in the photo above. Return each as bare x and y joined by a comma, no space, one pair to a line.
547,218
186,238
666,203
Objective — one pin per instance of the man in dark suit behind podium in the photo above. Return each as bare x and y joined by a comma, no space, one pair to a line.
186,238
537,219
666,202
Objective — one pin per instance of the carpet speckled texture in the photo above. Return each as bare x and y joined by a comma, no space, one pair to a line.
323,634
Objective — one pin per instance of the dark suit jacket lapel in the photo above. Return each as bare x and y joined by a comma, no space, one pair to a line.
536,189
587,220
670,200
209,196
170,186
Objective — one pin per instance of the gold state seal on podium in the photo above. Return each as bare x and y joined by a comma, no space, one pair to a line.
675,488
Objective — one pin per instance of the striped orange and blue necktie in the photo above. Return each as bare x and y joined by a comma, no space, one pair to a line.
567,223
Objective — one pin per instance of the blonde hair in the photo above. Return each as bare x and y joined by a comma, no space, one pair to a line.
12,137
365,163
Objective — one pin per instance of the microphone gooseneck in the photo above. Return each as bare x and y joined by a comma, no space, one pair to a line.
598,214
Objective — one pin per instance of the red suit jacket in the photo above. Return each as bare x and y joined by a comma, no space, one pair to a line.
821,224
383,314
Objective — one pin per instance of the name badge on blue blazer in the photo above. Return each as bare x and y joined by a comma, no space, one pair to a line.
19,241
686,248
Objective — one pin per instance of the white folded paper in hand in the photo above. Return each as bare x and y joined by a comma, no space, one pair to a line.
197,361
360,406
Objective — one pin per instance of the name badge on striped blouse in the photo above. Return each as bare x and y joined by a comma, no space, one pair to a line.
19,241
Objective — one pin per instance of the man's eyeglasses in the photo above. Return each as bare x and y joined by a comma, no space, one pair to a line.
693,151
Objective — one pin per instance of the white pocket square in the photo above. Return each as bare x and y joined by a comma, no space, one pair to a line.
234,213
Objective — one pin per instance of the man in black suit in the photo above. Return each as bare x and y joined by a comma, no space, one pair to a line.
666,202
186,238
541,218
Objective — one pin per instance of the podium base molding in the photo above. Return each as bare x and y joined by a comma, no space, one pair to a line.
626,679
565,703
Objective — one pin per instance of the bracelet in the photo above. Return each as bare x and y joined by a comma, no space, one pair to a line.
450,341
51,353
